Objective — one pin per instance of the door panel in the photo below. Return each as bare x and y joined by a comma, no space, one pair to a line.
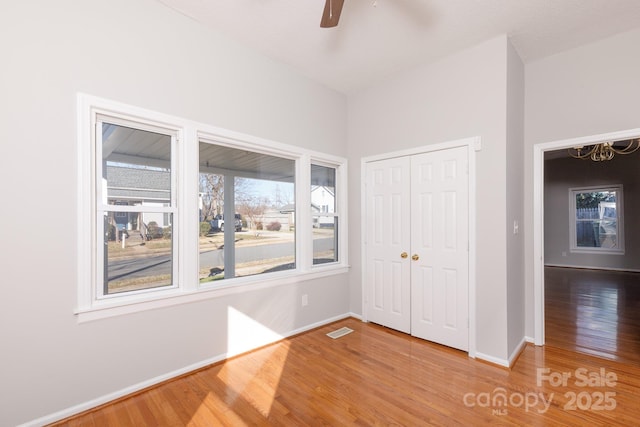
440,303
387,236
425,281
450,298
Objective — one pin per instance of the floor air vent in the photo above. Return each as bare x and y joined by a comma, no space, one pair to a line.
339,332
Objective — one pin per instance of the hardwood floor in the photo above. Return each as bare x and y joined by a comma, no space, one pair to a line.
376,376
594,312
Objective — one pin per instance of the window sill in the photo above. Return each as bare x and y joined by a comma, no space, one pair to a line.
596,251
111,308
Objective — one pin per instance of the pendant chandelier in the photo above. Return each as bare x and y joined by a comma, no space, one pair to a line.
603,151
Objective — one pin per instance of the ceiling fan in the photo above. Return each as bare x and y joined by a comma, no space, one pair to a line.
331,14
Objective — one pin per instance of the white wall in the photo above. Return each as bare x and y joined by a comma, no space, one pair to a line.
589,90
140,53
515,201
464,95
563,174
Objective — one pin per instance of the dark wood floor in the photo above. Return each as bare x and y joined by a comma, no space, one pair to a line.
375,376
594,312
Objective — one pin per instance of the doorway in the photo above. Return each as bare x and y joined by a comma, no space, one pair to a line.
556,276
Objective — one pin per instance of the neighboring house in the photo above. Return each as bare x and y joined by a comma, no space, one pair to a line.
323,200
133,186
285,216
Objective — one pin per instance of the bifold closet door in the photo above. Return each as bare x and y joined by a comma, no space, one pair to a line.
440,242
387,236
416,245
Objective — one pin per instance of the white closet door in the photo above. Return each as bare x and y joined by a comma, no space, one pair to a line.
440,248
387,214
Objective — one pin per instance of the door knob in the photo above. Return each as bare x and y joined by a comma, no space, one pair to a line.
404,255
415,257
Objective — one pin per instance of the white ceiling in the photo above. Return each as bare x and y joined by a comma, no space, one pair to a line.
377,38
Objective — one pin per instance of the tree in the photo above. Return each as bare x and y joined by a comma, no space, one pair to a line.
281,198
593,199
252,208
212,193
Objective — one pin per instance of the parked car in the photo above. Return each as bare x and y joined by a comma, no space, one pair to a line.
218,222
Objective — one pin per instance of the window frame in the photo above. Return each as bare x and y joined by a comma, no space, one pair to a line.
208,137
337,215
185,224
573,244
103,208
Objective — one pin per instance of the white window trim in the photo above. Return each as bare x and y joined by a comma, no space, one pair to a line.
573,247
340,209
173,132
187,288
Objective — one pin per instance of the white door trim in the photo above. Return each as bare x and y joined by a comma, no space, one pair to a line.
538,214
473,145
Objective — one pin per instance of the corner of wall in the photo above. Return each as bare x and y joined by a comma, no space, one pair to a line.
515,201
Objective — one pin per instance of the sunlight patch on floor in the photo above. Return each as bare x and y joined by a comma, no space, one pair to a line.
256,383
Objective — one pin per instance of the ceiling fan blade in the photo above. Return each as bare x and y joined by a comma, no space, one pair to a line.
331,14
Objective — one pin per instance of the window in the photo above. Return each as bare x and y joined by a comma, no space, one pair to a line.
173,211
596,220
324,214
134,187
258,191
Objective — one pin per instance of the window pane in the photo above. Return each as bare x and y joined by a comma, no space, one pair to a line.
137,248
325,243
136,164
597,219
323,189
263,207
135,257
324,227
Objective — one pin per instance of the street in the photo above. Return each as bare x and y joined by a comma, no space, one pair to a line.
161,264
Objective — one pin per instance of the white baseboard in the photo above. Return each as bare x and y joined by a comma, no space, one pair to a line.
507,363
65,413
586,267
90,404
356,316
492,359
516,352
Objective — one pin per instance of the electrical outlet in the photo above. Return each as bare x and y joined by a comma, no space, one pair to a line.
305,300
